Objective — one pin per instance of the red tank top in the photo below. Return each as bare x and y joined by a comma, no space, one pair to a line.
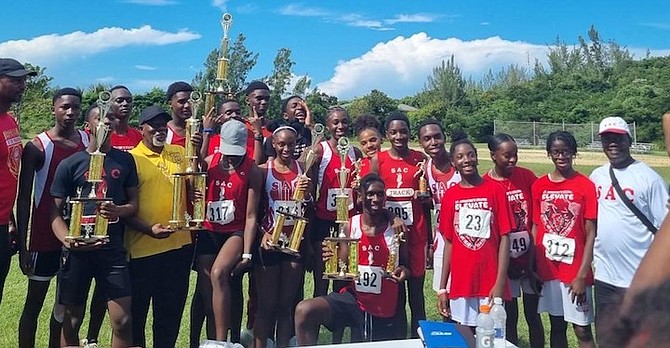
279,190
439,183
40,235
11,150
375,294
227,196
399,176
174,138
328,181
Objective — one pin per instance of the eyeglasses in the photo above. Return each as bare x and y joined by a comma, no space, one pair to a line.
557,154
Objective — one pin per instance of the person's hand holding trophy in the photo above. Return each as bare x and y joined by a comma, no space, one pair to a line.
88,230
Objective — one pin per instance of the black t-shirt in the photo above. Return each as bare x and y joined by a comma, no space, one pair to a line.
302,142
119,174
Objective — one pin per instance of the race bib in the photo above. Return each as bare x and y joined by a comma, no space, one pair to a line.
370,280
475,223
557,248
289,207
436,215
331,205
220,212
403,210
518,243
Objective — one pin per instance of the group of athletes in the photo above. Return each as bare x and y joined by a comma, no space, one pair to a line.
500,234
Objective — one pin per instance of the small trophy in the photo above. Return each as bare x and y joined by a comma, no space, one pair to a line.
343,196
423,183
89,229
394,254
356,175
343,265
180,218
279,240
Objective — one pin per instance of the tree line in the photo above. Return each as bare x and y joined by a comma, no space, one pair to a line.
578,84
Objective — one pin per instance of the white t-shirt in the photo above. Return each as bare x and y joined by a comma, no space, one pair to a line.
622,240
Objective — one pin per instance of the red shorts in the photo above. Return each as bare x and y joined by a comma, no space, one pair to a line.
417,247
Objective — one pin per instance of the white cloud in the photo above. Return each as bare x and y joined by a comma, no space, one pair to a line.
47,49
484,23
145,67
221,4
400,66
412,18
357,20
302,11
660,26
152,2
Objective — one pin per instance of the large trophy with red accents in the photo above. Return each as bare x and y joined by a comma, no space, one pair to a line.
222,87
92,228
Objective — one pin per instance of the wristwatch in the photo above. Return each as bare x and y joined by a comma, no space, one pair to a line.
247,256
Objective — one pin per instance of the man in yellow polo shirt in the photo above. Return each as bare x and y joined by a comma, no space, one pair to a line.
160,258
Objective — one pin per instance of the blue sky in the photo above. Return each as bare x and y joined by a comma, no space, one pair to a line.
347,47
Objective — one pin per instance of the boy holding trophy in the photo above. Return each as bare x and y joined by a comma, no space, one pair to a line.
82,184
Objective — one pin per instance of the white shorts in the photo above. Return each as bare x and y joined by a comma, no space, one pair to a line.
555,299
464,310
516,286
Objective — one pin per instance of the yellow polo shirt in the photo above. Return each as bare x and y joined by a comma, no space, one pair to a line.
155,199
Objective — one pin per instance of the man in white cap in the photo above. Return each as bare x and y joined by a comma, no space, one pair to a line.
631,205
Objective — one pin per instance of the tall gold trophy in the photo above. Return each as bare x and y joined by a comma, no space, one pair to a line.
279,240
222,87
90,229
180,218
394,254
344,263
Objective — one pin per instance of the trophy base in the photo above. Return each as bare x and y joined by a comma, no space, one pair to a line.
189,173
423,195
91,199
337,276
87,240
285,250
196,226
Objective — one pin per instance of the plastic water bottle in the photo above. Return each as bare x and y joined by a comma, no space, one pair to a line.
499,323
484,328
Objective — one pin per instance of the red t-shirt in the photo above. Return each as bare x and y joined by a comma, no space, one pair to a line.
375,294
227,196
518,192
474,255
560,211
128,141
11,150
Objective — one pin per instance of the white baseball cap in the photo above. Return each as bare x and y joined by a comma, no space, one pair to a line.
233,138
613,125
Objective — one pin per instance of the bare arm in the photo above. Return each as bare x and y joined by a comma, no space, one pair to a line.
32,160
374,164
253,197
58,225
503,261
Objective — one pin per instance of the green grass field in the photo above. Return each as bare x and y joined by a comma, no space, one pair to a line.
16,288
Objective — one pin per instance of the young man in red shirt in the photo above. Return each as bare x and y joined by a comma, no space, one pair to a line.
124,137
12,85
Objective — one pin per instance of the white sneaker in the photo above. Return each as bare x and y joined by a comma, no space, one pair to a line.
85,344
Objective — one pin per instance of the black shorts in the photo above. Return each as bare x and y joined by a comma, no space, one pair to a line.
321,229
345,312
45,264
108,267
209,243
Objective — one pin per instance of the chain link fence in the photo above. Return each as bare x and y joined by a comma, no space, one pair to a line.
534,134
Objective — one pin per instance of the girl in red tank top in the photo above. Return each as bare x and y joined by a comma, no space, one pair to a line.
369,138
325,171
399,168
233,190
281,275
369,304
